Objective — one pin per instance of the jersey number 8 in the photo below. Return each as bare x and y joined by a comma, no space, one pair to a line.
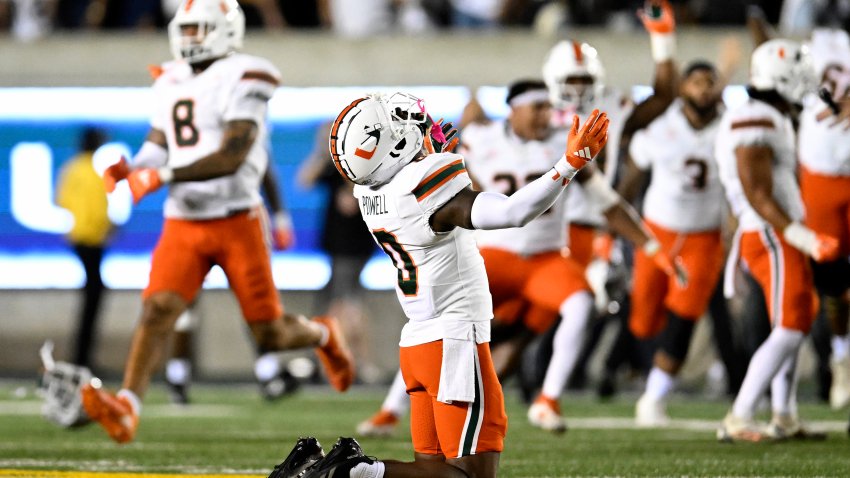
183,117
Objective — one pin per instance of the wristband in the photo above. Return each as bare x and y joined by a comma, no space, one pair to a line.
663,46
282,220
166,174
564,169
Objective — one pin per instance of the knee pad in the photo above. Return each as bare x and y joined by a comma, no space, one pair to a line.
675,339
832,278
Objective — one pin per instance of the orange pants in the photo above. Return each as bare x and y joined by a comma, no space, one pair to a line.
654,292
543,281
581,241
187,250
785,277
827,200
461,428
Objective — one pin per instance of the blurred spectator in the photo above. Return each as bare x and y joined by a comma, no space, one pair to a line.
82,193
362,18
349,246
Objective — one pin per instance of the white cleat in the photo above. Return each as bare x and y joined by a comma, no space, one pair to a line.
650,413
381,424
839,393
545,413
789,427
734,429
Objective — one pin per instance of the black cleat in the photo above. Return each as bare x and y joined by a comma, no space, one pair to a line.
278,387
178,393
345,455
306,452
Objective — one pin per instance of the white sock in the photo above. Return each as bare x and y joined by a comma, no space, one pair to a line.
566,345
130,396
326,335
659,384
840,347
267,367
783,388
780,344
178,371
365,470
397,402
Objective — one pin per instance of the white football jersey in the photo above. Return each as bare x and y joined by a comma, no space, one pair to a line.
582,210
193,110
756,123
823,149
685,193
502,162
442,284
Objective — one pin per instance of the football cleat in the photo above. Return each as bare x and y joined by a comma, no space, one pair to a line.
651,413
381,424
115,414
306,452
279,386
839,392
178,393
789,427
545,413
335,356
734,429
345,455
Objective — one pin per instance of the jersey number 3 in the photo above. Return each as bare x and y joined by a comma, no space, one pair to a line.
183,117
408,280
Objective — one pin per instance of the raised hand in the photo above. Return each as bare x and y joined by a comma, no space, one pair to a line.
441,137
657,17
583,144
115,173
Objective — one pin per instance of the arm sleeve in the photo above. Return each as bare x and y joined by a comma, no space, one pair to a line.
150,155
497,211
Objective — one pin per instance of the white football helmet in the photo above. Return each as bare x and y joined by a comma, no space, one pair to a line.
374,137
784,66
571,59
220,29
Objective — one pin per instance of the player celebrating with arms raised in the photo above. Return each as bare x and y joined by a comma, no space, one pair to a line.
420,209
209,128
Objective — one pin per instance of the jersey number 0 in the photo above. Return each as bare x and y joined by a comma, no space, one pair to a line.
408,280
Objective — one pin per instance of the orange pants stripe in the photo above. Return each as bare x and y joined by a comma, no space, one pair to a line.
785,276
187,250
654,292
827,200
457,429
542,281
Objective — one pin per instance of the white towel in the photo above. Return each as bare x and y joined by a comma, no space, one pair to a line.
457,371
731,269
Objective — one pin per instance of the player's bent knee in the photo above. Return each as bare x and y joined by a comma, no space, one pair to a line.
675,340
162,309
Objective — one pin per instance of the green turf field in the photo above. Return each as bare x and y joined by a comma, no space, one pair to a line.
230,430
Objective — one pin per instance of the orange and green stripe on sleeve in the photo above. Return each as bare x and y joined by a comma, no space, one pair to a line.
433,182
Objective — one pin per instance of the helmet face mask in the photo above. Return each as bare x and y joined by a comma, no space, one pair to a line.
374,137
574,75
784,66
206,29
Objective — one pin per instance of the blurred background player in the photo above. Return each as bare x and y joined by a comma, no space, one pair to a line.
210,128
756,156
349,247
824,153
683,208
419,209
82,193
274,379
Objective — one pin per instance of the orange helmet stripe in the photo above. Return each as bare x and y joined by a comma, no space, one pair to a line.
334,138
577,50
188,5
